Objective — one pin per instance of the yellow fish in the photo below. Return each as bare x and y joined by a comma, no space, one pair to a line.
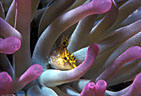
61,58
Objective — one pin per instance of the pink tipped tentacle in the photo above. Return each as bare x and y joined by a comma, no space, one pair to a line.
131,54
9,45
89,89
5,83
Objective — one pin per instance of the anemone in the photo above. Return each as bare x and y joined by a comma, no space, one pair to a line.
70,47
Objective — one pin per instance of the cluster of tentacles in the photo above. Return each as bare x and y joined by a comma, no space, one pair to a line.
104,37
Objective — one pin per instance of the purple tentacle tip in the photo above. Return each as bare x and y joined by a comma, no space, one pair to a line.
94,90
91,85
88,90
87,63
135,89
9,45
32,73
132,52
137,81
100,87
5,83
93,49
101,6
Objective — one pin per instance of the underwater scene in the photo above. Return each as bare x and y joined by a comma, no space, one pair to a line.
70,47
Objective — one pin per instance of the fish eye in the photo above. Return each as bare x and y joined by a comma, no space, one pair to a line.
64,43
65,58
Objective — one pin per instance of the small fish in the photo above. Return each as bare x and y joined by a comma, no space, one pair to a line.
61,58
